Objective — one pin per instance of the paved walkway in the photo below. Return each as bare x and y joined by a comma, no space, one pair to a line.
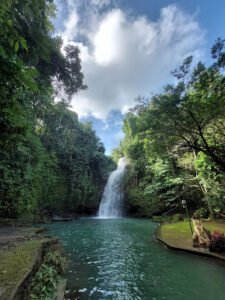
10,235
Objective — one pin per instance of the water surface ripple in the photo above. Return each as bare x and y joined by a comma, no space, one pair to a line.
120,259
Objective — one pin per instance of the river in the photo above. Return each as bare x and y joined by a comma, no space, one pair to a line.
120,259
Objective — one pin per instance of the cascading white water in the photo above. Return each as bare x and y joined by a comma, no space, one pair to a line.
112,200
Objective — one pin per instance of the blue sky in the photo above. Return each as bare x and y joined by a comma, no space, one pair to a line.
129,47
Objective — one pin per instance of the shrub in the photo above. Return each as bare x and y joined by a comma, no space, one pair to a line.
26,218
201,213
56,259
157,219
174,218
161,219
217,242
43,284
177,217
45,280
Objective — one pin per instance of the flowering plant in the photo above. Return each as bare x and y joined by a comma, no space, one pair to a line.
217,242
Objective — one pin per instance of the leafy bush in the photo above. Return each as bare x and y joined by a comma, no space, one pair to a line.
201,213
177,218
56,259
45,281
217,242
174,218
25,218
157,219
160,219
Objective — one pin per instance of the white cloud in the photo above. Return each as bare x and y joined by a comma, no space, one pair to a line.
100,3
123,57
70,27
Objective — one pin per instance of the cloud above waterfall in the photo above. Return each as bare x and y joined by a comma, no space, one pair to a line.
124,55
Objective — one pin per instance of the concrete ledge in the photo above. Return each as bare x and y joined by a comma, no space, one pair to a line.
18,292
61,288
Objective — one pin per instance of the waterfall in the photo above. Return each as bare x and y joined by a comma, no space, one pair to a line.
112,200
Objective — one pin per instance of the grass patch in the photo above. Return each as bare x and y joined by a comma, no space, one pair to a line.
15,263
179,234
214,226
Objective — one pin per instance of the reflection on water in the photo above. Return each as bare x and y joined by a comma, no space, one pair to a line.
119,259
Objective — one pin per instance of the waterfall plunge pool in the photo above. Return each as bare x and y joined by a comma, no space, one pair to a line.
120,259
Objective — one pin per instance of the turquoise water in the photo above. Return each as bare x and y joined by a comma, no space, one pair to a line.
120,259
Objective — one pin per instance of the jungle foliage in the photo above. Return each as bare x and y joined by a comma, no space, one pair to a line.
48,159
176,143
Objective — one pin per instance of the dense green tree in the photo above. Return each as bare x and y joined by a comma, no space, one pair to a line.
175,141
48,159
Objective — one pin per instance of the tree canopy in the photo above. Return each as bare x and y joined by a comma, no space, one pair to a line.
175,141
48,159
